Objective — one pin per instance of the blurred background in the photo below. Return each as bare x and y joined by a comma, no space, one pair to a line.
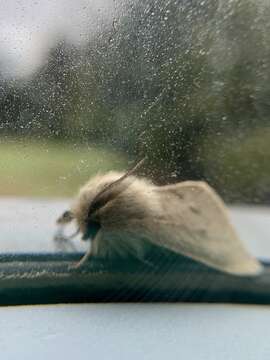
94,85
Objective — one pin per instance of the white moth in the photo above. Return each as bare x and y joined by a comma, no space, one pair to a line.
120,213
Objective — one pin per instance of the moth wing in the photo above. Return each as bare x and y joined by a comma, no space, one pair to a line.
194,221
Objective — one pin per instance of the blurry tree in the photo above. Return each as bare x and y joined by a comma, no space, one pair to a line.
15,108
53,90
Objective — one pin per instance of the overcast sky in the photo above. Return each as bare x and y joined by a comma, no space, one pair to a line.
28,28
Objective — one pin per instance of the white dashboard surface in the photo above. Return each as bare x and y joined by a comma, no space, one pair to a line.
135,331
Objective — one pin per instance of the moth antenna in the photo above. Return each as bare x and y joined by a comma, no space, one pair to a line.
123,177
101,199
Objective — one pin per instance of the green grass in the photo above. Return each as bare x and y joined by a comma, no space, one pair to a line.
49,169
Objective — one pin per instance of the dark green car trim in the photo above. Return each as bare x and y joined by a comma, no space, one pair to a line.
165,277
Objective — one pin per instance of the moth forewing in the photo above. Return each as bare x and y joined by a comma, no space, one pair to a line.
195,222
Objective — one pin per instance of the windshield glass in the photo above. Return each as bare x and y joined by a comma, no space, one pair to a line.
88,87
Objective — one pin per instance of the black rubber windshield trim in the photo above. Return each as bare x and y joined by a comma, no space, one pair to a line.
50,279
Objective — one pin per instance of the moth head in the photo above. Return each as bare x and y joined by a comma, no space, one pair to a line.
93,197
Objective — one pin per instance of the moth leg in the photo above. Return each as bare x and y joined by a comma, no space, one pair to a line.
59,239
70,245
84,259
68,241
92,251
62,242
